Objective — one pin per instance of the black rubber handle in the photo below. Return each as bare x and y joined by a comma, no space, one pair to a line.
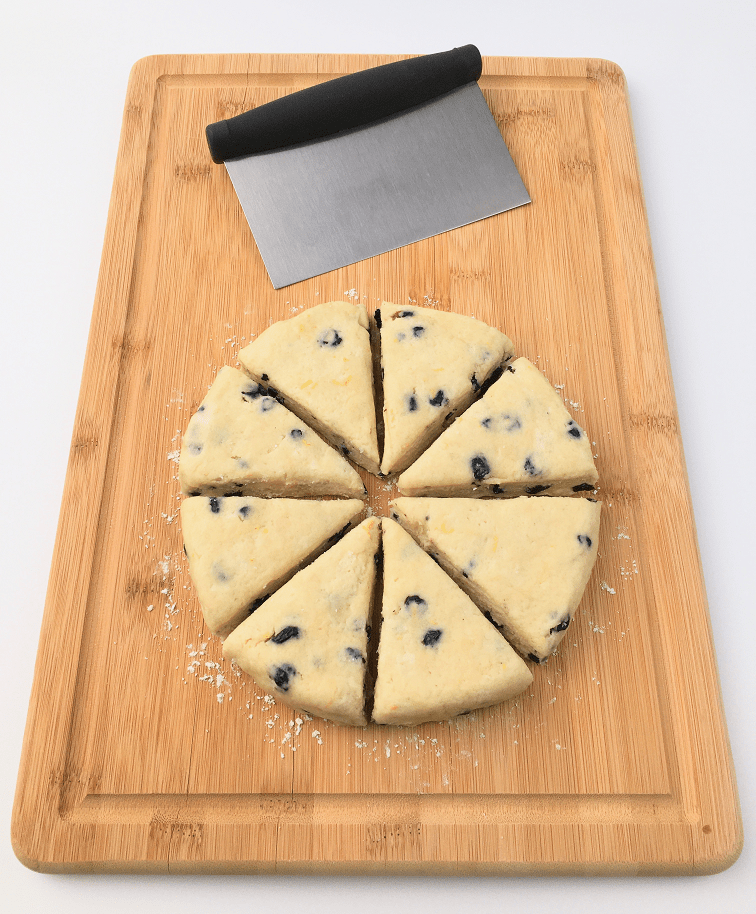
339,104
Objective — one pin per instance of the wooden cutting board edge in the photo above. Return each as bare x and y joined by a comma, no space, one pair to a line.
704,787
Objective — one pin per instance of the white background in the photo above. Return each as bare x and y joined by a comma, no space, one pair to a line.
690,70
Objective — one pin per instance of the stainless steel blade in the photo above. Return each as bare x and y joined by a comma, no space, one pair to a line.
322,205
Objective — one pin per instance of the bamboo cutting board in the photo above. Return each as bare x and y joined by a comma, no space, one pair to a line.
145,751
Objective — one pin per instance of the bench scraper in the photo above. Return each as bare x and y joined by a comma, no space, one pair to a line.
366,163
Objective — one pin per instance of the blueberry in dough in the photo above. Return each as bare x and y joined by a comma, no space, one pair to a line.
257,603
440,399
354,654
291,631
417,332
530,468
243,511
486,423
253,392
296,433
561,626
412,403
480,467
496,489
491,619
330,338
534,490
491,379
266,404
281,676
415,600
404,314
220,574
474,382
583,487
574,429
496,374
215,505
432,637
585,540
514,423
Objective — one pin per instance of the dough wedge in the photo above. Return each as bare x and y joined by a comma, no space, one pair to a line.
241,441
307,644
241,549
320,364
433,364
524,561
438,655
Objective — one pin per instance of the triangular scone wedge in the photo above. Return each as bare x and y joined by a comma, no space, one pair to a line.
525,561
433,365
517,439
438,656
241,441
307,644
241,549
320,364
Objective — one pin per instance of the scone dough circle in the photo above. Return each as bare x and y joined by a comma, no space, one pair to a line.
265,543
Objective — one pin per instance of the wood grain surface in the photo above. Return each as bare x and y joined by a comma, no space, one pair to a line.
145,751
